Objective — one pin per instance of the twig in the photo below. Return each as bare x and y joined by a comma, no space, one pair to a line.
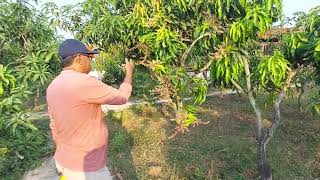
237,85
185,55
187,40
205,67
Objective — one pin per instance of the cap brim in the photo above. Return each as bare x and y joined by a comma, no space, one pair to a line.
92,52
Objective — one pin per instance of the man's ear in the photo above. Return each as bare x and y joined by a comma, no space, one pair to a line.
77,60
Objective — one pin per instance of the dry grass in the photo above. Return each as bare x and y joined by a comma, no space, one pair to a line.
223,149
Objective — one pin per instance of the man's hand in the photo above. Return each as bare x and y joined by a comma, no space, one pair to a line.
128,66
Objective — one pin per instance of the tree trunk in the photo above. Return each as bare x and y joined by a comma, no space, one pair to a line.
264,135
178,102
264,167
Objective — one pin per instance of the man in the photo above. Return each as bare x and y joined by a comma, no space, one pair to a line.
76,120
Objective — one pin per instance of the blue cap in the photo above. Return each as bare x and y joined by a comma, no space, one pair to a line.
71,47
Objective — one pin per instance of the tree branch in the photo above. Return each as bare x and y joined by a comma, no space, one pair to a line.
251,98
185,54
187,40
205,67
277,119
237,85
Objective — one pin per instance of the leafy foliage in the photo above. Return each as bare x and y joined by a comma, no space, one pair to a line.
7,79
273,70
303,47
303,50
228,66
28,51
180,36
313,104
20,154
28,62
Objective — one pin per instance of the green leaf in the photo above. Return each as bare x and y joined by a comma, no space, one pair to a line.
1,89
318,47
243,3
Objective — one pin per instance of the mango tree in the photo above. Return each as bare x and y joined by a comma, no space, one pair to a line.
271,74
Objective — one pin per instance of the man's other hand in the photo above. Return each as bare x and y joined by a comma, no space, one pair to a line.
129,66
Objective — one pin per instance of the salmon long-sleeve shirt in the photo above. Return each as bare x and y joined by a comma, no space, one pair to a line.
76,119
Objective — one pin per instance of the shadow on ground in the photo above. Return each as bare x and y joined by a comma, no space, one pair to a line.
223,149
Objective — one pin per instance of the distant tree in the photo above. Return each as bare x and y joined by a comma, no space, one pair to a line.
28,61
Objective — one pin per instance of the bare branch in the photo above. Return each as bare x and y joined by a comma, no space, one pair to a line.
185,55
186,40
237,85
277,119
282,94
145,50
205,67
251,98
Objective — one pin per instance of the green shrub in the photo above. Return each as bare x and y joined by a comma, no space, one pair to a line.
18,155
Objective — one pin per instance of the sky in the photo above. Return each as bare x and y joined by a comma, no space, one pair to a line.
289,7
292,6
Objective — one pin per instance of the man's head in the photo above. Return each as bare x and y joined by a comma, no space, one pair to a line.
75,55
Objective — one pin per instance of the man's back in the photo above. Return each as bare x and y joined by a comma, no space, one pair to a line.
77,125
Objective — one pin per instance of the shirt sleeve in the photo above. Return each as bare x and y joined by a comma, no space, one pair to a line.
97,92
53,126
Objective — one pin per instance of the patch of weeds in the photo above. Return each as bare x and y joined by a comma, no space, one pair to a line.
120,141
